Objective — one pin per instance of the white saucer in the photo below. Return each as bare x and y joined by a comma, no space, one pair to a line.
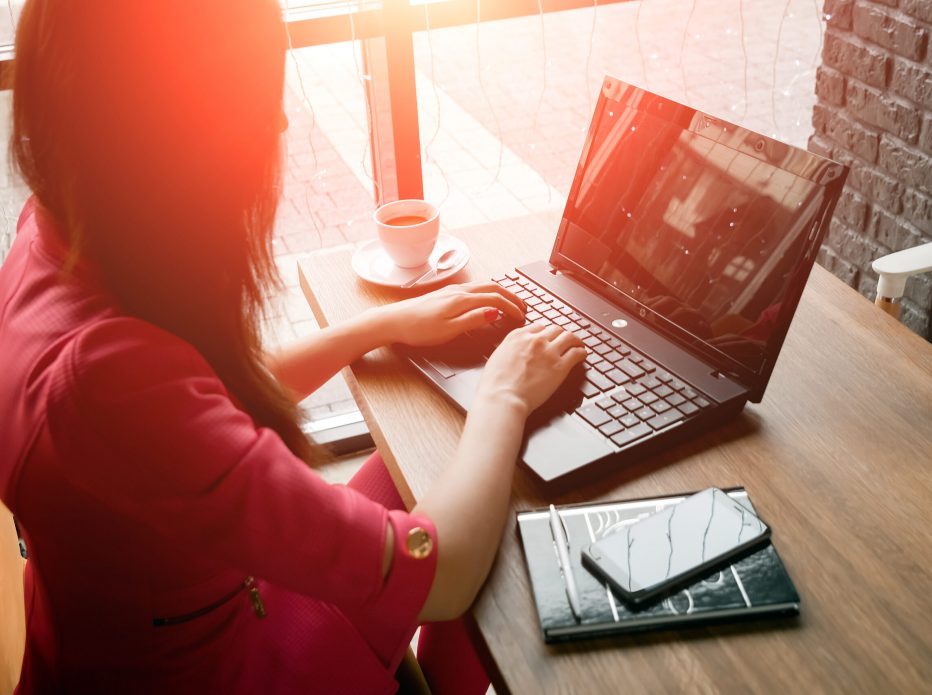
372,264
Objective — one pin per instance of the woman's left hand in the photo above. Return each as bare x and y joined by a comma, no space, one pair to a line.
440,316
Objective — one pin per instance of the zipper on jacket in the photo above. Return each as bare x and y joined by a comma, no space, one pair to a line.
248,585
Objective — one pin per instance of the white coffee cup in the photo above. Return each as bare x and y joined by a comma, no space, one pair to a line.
408,230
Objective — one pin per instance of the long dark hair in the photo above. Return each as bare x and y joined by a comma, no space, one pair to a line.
151,132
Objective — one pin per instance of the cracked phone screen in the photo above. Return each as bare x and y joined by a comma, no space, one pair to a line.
701,529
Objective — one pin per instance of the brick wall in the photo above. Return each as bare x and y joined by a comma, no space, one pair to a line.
874,113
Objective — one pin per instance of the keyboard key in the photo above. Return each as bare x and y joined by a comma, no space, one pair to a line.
533,316
636,358
632,370
617,344
664,419
538,291
591,341
603,366
599,380
594,416
592,358
581,334
572,327
633,404
651,382
533,302
512,275
635,389
648,366
629,420
663,376
582,322
689,393
525,282
605,403
499,280
524,294
648,398
588,390
688,408
610,428
561,320
675,399
601,348
676,385
701,402
618,376
613,356
660,406
618,412
551,314
631,434
663,391
575,316
644,413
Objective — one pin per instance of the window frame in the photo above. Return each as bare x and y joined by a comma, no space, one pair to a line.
386,32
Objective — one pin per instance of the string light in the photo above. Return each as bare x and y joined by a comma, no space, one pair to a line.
9,4
776,60
637,41
543,72
306,102
543,87
818,14
744,57
689,19
485,95
595,11
433,81
362,79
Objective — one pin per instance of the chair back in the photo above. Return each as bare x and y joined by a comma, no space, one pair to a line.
12,610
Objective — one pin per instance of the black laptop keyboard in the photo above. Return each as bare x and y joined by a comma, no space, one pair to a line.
625,395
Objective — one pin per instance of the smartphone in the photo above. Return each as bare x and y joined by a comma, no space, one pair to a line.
666,550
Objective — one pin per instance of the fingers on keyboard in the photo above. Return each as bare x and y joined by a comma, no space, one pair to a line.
619,392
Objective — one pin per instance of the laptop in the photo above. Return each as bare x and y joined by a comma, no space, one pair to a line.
681,256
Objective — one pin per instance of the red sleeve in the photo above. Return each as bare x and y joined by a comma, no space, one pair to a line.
178,456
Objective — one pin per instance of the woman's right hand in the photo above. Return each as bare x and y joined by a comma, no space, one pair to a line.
529,365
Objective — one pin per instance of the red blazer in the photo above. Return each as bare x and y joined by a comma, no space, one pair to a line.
146,495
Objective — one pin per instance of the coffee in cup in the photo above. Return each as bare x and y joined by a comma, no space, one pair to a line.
406,221
408,230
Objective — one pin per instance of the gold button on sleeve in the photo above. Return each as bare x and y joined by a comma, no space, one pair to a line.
419,543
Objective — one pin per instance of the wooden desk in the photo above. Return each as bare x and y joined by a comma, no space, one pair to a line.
837,458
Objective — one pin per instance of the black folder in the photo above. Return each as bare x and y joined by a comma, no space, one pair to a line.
755,587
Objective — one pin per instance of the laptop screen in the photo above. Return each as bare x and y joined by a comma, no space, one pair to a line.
701,224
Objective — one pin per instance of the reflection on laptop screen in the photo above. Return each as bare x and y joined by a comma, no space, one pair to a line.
698,221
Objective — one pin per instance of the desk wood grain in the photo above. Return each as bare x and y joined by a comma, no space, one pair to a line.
837,458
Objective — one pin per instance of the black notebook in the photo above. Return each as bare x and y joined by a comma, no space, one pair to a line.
757,586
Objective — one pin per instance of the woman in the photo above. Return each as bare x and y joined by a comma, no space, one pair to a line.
178,539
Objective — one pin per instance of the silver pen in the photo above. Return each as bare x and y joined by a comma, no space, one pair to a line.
563,554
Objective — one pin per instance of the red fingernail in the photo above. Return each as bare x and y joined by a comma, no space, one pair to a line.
491,314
